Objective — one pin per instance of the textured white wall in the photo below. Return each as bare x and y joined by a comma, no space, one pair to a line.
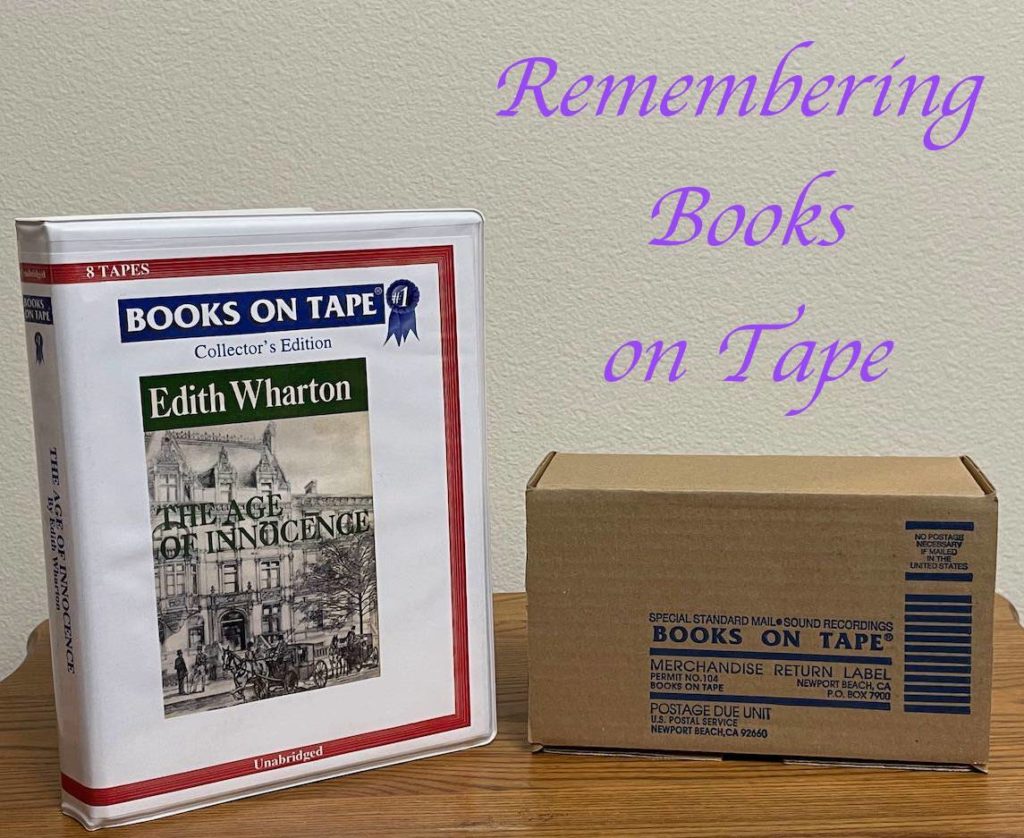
125,107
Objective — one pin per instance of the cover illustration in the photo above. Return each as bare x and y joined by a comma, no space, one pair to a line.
263,546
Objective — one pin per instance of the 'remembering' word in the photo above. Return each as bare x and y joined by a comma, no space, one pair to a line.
684,207
535,83
804,361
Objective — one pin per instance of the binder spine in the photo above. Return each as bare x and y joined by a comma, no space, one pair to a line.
42,333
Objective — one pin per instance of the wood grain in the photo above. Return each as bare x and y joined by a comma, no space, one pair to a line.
505,788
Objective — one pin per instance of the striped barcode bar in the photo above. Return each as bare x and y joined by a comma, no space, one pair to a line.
937,653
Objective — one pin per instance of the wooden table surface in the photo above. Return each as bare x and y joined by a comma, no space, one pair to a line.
504,787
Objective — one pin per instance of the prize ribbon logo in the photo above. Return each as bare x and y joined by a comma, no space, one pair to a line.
403,297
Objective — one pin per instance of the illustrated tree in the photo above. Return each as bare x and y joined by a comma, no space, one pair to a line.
342,583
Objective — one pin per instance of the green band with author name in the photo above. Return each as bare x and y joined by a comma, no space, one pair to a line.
252,394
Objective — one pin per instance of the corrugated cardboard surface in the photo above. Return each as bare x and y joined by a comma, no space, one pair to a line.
621,547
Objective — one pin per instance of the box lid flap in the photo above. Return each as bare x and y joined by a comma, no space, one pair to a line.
911,476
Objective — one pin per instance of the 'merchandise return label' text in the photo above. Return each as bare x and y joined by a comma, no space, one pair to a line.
185,400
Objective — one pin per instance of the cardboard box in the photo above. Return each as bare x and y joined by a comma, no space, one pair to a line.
807,607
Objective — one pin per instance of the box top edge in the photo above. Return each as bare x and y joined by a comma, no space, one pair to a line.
538,473
954,477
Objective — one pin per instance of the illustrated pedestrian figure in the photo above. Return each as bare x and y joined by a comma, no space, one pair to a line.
213,661
280,650
351,652
181,669
337,661
199,672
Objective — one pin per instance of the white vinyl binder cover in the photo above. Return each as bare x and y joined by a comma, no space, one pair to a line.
261,460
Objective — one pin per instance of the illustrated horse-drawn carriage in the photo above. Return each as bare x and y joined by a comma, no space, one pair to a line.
299,665
278,668
354,653
281,669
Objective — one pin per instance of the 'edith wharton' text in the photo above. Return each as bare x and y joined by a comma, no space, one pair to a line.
248,394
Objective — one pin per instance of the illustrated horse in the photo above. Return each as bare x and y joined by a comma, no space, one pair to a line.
244,671
337,654
358,653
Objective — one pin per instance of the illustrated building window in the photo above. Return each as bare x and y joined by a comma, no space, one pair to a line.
233,629
224,491
230,578
174,578
196,637
270,574
272,619
167,488
266,487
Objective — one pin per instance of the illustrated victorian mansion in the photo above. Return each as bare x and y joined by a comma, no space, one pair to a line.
232,587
